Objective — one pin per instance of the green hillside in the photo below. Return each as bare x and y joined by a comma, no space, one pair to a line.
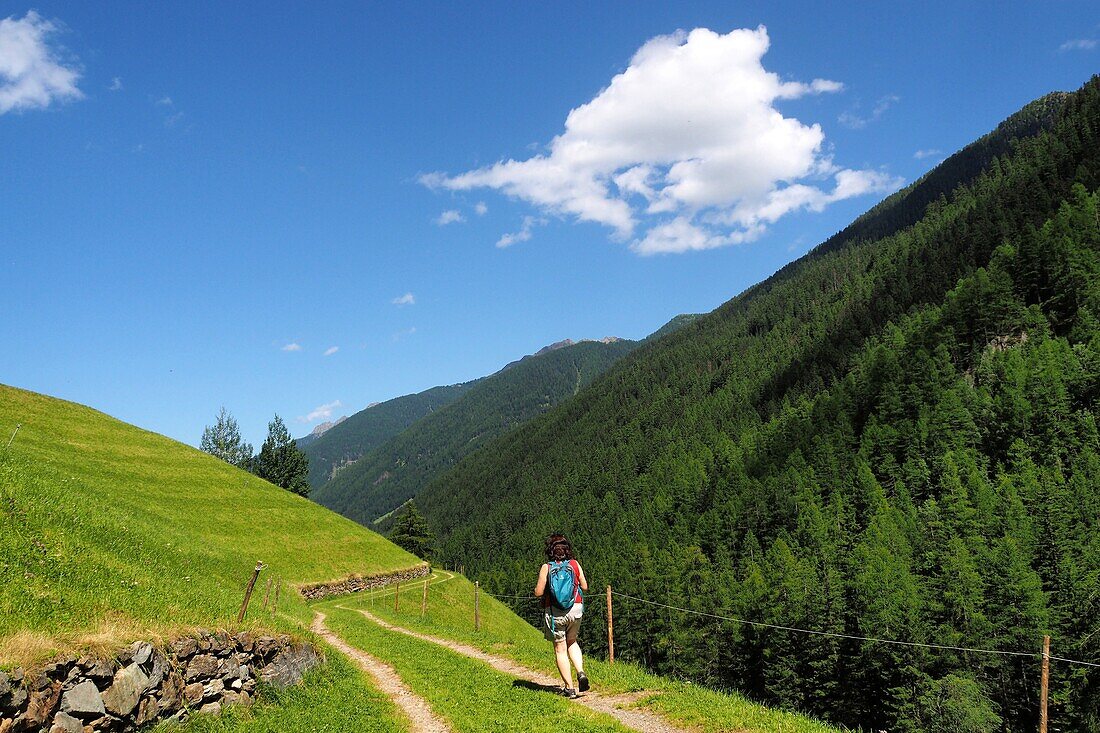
395,471
109,532
367,429
894,437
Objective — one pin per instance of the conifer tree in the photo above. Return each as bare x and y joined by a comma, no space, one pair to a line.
281,461
412,533
223,440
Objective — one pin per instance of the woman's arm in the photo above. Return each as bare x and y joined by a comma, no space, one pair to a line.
584,581
540,586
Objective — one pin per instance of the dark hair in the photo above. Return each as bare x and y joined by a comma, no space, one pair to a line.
558,548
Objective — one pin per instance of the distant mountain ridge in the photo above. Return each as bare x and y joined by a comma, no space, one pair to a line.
394,471
318,431
354,436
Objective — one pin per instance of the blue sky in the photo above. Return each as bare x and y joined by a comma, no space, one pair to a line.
200,200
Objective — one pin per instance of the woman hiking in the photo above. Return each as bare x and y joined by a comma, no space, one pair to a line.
560,586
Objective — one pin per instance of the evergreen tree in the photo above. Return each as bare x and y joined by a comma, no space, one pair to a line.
281,461
412,533
223,439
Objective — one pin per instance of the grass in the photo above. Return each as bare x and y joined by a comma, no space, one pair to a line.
450,615
472,696
335,698
110,533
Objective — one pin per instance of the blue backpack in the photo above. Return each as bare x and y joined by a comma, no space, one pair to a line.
562,584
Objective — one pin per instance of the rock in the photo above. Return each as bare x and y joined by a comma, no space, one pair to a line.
230,697
244,699
245,672
213,689
213,708
267,646
192,694
42,704
201,666
5,684
185,648
102,723
147,711
15,699
6,724
99,669
156,668
141,651
65,723
236,684
290,665
129,684
171,693
244,641
59,669
83,701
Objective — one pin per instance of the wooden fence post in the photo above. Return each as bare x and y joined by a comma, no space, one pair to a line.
424,598
610,631
477,605
1045,685
275,602
267,593
248,591
396,596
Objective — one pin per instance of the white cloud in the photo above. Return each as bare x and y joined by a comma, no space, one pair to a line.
856,122
406,299
31,74
1079,44
688,133
116,84
926,153
450,216
331,350
402,334
321,412
480,208
292,346
523,235
164,102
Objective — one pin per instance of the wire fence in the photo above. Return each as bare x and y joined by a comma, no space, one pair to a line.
833,634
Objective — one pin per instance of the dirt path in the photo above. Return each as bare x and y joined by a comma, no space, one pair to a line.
619,707
416,708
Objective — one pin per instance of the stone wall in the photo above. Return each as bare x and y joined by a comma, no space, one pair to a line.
144,683
358,584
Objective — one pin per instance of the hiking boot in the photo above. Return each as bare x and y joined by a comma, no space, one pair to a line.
569,692
582,682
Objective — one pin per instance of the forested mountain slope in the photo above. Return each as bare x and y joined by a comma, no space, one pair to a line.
894,437
356,436
395,471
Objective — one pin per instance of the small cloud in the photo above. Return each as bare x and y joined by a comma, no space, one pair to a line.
854,121
32,76
480,208
292,346
331,350
116,84
172,119
321,412
406,299
523,235
139,148
164,102
1079,44
927,153
450,216
402,334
